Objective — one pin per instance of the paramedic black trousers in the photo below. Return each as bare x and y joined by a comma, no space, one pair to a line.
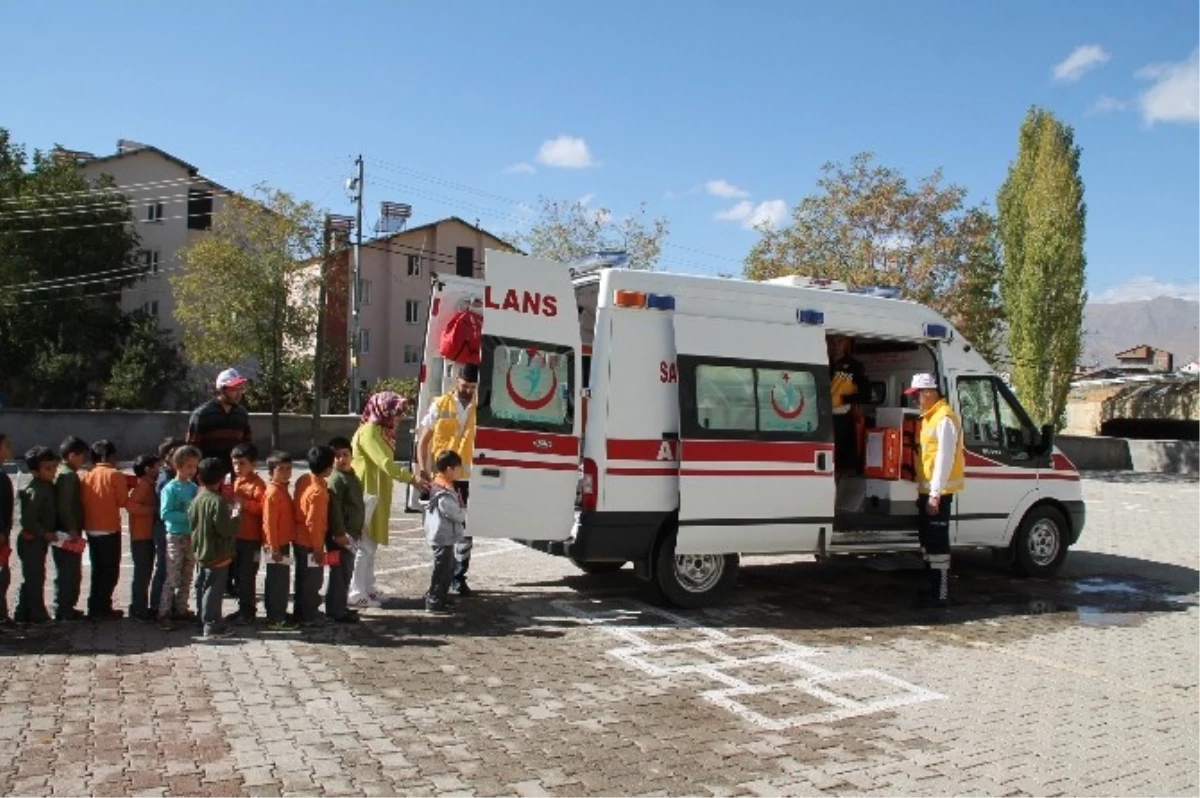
933,531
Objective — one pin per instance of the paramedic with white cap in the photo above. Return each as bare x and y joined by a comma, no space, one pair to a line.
940,468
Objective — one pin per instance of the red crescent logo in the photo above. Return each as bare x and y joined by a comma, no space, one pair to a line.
531,404
787,414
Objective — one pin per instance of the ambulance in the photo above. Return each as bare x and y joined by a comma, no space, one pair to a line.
679,423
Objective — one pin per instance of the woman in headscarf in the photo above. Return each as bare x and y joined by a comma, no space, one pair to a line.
374,453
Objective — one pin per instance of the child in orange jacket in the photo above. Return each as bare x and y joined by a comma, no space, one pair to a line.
249,490
105,492
312,522
143,512
279,533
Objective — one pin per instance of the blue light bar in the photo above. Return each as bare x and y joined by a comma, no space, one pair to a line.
660,302
810,317
940,331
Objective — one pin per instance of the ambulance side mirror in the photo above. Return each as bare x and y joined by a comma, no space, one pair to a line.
1045,443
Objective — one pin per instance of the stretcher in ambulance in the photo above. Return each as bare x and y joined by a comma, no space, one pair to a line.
709,425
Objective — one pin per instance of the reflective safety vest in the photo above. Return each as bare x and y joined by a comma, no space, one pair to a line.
929,449
446,432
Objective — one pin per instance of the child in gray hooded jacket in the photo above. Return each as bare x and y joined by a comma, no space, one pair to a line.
445,524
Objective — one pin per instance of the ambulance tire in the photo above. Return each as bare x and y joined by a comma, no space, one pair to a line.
692,582
595,568
1040,545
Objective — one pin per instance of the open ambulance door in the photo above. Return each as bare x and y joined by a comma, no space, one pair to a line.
525,469
756,438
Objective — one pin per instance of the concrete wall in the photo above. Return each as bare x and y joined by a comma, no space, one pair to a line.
1121,454
136,432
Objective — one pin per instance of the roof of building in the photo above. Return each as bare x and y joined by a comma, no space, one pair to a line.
1140,351
141,148
444,220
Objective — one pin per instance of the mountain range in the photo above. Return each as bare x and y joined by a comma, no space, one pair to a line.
1163,323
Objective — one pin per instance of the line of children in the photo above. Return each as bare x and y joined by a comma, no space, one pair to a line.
176,526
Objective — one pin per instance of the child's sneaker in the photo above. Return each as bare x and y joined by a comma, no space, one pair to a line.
364,603
281,626
217,632
166,624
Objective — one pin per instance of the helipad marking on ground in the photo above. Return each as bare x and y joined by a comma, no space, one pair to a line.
713,654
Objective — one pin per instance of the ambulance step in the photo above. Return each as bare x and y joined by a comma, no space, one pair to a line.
873,523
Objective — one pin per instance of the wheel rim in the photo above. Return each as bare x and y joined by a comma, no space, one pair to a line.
1043,541
699,573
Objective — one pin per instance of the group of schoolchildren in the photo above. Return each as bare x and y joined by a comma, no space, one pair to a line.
191,521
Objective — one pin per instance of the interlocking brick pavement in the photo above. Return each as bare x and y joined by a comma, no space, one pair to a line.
550,682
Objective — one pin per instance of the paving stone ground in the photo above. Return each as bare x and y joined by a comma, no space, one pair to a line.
812,679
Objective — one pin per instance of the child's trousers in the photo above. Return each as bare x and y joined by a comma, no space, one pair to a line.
68,578
142,552
212,582
338,589
31,602
441,576
181,564
248,554
306,596
276,589
104,555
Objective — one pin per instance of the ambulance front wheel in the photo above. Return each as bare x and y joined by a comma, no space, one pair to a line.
595,568
1040,545
692,581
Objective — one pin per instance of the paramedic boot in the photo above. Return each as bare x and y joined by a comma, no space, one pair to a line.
938,596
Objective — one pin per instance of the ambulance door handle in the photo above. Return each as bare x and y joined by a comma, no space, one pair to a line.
822,461
670,436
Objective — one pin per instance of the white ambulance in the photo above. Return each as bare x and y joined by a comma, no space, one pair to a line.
679,422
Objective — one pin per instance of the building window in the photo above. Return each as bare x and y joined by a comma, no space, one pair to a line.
412,311
364,292
150,260
414,265
412,354
200,209
464,262
154,212
150,308
364,342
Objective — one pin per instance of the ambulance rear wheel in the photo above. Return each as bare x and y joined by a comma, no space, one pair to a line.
692,581
595,568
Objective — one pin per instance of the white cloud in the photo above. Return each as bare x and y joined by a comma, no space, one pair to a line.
521,168
1145,287
1082,59
1175,94
770,213
723,188
566,152
1107,105
586,199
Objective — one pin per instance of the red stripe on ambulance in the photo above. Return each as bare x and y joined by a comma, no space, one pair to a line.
506,440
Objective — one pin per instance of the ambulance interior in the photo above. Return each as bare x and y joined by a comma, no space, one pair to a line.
876,483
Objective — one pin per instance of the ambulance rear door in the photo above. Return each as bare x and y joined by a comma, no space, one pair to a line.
756,438
525,470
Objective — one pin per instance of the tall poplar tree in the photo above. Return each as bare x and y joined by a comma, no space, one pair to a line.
1041,214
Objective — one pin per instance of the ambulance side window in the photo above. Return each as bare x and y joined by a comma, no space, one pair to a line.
993,422
527,385
722,398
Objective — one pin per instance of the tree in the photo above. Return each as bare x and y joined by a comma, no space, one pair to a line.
974,303
1042,215
868,226
67,250
247,290
567,231
148,368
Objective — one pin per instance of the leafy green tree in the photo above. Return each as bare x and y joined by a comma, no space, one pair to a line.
1042,220
566,231
974,304
67,250
408,388
867,225
247,292
149,367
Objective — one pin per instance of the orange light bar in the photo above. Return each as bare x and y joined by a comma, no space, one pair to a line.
629,299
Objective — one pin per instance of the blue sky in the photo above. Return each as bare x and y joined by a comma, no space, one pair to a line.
661,100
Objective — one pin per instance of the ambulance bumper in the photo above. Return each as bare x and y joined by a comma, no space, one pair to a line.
1077,515
615,537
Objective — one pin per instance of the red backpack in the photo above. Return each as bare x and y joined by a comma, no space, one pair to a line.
462,339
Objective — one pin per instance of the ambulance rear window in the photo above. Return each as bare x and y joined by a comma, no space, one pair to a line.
527,385
756,401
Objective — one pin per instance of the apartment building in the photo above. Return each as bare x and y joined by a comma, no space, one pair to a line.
171,204
396,271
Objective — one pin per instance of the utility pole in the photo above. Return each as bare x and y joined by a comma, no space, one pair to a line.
355,284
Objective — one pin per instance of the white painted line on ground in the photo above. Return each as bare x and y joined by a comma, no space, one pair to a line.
712,657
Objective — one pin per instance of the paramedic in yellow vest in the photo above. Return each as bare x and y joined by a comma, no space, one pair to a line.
450,426
940,469
849,387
